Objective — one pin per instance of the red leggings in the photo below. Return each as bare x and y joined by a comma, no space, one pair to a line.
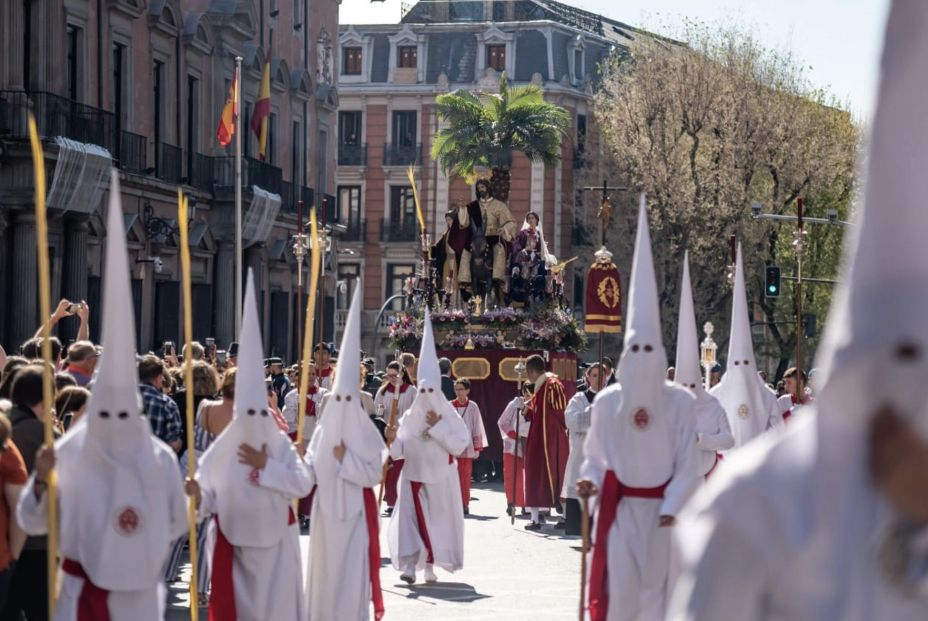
510,464
465,469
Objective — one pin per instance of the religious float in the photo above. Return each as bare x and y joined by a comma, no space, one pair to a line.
486,345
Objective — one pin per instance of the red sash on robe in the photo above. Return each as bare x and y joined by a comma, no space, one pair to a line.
372,515
612,492
222,595
91,605
420,521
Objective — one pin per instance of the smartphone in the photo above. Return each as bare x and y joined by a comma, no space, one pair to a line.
168,348
221,356
73,308
211,342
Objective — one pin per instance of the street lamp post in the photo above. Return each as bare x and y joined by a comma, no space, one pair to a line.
707,351
300,250
799,244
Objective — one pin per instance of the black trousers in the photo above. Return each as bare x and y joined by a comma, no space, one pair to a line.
574,518
28,592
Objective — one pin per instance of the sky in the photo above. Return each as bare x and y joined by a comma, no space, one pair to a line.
840,40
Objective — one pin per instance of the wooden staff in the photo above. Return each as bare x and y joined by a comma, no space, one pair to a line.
585,530
386,466
188,389
314,264
41,238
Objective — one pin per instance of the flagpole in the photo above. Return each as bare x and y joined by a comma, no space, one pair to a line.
238,200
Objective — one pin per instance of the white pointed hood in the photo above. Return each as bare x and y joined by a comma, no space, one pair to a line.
747,402
428,377
642,421
876,346
122,510
249,514
345,421
413,426
687,362
643,365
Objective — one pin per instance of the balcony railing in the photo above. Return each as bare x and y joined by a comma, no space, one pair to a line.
170,160
287,200
402,155
309,197
133,152
201,172
254,172
355,230
352,155
57,116
404,230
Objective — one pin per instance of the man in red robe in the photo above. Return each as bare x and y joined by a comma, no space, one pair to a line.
547,446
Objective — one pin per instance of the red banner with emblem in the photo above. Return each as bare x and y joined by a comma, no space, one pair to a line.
603,298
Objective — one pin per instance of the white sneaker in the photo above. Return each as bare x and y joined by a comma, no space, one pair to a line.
409,574
430,576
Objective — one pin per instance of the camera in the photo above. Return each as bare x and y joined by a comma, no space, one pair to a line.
157,264
832,215
756,208
73,308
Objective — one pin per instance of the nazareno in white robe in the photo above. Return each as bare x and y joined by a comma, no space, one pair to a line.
145,604
794,528
342,575
338,582
430,462
268,579
641,561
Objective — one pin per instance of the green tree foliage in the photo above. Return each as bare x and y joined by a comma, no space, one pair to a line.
483,129
708,126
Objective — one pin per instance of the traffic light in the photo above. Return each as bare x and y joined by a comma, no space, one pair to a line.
772,281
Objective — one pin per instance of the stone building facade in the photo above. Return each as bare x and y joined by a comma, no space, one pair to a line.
139,85
389,77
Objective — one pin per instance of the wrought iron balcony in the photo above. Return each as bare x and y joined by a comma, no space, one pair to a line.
57,116
133,152
355,230
402,155
254,172
352,154
201,172
405,230
169,162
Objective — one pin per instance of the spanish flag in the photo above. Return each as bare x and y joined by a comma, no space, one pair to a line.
226,128
262,113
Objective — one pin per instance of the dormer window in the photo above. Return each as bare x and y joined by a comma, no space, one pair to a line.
496,57
351,61
407,56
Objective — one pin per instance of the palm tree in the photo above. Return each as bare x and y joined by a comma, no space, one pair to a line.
483,130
